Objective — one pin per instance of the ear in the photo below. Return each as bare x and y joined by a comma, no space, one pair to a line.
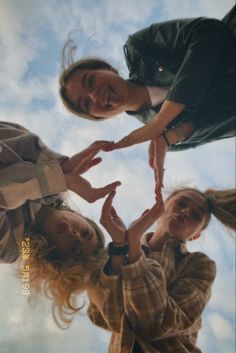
196,236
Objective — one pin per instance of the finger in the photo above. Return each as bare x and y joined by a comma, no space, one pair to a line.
147,220
106,208
102,192
109,147
151,153
150,161
95,147
94,162
114,213
99,144
115,216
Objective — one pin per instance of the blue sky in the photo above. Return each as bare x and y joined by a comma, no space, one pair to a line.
32,34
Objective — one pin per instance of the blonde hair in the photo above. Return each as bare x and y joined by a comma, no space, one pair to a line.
60,279
221,204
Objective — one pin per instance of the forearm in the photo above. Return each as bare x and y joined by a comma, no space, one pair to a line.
135,249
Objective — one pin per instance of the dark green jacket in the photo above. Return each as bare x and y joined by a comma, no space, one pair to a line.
195,58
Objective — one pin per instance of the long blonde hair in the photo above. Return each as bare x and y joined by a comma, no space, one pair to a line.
59,279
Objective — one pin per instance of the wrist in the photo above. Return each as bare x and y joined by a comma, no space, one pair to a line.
135,249
66,166
118,249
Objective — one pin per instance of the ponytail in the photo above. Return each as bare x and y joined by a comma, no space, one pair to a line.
222,204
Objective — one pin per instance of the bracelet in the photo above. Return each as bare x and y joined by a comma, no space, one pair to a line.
180,133
118,250
165,138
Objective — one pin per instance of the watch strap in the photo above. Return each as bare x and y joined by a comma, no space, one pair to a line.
118,250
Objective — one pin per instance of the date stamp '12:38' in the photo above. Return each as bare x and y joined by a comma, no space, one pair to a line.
25,269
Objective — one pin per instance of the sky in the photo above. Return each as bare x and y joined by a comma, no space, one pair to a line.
32,34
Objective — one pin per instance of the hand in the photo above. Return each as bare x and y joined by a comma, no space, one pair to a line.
117,229
145,221
140,226
160,148
84,189
112,222
84,160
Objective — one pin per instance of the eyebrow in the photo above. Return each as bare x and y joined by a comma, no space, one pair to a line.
84,79
198,206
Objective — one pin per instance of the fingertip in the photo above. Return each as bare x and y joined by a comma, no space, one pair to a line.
109,146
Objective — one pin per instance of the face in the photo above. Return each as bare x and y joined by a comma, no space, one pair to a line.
185,215
98,93
71,233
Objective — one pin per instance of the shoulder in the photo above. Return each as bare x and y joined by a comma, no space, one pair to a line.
200,266
171,28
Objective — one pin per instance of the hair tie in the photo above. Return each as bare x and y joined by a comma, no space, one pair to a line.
210,204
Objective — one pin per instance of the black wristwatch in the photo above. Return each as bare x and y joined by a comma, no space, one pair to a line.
118,250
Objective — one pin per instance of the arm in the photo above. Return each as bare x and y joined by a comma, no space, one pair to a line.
159,147
157,310
200,49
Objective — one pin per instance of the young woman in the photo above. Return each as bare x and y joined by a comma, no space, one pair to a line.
181,85
32,178
151,291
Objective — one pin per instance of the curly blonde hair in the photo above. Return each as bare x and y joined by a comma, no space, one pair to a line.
60,279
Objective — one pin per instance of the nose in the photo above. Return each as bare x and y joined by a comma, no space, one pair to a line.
185,211
93,94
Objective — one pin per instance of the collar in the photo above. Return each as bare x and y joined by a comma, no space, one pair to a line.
176,245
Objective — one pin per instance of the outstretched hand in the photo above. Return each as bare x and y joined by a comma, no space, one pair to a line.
84,189
156,156
81,162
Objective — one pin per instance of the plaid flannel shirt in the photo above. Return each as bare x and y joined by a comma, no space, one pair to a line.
155,303
30,175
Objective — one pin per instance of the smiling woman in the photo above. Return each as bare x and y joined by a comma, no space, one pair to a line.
181,86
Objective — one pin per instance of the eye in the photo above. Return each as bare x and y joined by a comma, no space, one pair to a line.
181,203
196,216
86,232
90,81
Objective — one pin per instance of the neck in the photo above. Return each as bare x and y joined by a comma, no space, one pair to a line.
138,97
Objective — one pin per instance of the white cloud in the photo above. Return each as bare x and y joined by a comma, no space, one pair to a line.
221,327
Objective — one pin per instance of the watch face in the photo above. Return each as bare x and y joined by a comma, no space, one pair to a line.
118,250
